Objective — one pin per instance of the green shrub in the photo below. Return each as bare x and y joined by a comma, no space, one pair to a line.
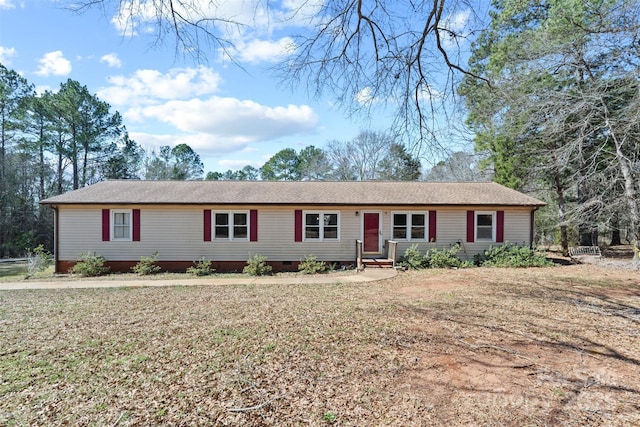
329,417
311,265
412,258
444,258
147,265
508,255
434,258
201,268
90,265
38,260
257,266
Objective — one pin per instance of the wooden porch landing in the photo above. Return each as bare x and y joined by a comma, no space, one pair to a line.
385,261
377,262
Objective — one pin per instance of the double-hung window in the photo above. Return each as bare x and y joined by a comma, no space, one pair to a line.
409,226
231,225
121,224
321,226
485,226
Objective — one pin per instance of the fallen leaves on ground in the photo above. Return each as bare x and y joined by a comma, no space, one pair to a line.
443,347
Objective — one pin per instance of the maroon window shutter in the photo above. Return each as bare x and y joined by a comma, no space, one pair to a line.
432,226
298,226
500,226
207,225
106,232
471,225
136,225
253,225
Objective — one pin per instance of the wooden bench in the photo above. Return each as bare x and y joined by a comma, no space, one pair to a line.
585,251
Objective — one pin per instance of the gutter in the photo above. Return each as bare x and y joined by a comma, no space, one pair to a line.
56,241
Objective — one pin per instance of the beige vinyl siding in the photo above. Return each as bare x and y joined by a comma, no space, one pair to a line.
328,250
516,231
517,227
79,231
452,228
176,233
276,238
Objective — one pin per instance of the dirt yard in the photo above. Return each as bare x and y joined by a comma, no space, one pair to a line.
493,347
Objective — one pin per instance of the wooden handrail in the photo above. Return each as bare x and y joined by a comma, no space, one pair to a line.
359,264
392,251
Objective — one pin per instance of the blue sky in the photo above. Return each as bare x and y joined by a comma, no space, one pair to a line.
230,115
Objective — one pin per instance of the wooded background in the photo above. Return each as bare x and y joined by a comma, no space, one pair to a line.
550,92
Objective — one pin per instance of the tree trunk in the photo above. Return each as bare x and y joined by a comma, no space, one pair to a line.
564,238
41,165
74,161
587,230
630,193
60,168
588,234
3,211
85,162
615,237
2,155
615,230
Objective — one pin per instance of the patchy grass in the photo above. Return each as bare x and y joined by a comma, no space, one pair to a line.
464,347
17,271
10,271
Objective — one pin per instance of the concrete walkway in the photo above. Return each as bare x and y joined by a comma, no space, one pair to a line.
368,275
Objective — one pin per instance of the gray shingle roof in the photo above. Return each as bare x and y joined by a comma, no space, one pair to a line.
296,193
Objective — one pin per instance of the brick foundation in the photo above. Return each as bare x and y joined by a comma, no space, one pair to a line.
63,266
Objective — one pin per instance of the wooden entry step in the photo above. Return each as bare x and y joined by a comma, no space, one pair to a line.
377,262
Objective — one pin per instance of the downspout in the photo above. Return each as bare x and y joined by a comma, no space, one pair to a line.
55,238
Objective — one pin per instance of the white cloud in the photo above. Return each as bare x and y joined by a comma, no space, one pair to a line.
135,14
459,21
239,164
222,125
233,119
248,24
429,93
264,50
43,88
6,53
112,60
203,144
139,13
455,29
148,86
365,97
6,4
54,63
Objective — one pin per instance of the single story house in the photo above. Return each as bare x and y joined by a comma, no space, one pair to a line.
228,221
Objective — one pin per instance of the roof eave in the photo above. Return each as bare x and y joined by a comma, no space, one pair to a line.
102,203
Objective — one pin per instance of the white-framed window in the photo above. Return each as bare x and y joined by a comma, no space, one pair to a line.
121,224
231,225
321,226
485,226
409,226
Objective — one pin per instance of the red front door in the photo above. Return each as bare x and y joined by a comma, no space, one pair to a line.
371,239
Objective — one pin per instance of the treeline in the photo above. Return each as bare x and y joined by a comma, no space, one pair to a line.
54,142
556,111
58,141
369,156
